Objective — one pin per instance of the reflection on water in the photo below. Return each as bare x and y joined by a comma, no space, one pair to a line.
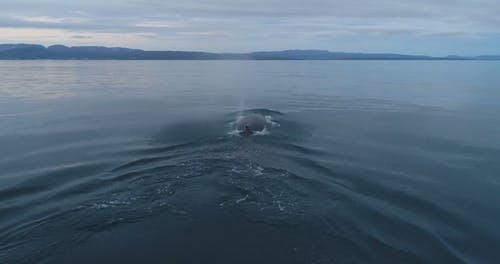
134,161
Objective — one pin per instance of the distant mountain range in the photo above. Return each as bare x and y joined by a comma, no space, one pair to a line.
61,52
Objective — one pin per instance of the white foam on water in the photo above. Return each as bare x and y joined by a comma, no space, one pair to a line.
270,120
236,132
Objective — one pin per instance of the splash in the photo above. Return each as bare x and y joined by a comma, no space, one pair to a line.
252,123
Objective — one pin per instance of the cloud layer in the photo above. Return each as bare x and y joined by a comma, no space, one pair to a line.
425,26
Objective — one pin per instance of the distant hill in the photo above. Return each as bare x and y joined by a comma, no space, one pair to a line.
327,55
487,57
61,52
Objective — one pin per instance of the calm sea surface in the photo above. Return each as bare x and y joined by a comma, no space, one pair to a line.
134,162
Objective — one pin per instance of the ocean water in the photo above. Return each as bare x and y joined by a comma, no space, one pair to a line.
135,162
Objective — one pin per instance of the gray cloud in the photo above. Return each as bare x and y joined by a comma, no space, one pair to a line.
81,37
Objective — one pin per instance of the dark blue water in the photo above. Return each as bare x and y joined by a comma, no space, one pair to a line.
135,162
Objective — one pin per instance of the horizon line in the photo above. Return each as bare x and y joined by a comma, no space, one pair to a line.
326,51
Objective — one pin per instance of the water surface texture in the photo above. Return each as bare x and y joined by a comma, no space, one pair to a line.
137,162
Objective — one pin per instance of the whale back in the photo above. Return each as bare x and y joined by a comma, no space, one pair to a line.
251,124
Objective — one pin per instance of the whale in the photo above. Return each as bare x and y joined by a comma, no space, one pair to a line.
251,124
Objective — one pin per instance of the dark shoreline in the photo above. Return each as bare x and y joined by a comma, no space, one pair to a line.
60,52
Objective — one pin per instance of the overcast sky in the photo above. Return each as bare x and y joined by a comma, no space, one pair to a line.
431,27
